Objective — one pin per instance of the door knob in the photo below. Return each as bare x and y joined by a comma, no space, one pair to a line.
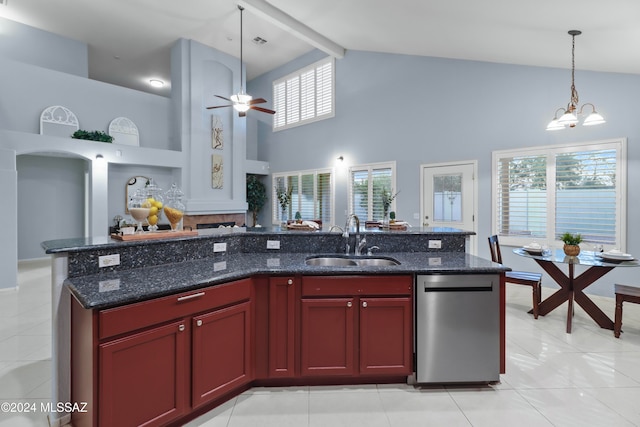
199,322
364,304
349,304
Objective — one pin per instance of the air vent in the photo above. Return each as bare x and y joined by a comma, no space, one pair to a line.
256,40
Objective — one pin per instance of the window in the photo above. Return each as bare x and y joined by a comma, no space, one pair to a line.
540,193
366,185
304,96
311,195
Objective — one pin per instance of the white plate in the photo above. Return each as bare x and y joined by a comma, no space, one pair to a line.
617,257
532,250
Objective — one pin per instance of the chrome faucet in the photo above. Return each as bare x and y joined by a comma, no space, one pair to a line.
360,244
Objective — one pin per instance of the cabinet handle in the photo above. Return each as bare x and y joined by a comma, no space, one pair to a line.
186,297
349,304
364,304
181,328
290,282
199,322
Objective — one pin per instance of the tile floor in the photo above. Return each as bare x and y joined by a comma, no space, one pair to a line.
587,378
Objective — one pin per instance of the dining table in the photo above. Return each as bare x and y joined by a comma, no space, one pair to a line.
571,286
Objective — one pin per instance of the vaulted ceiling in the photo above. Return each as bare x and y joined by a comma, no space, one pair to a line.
130,40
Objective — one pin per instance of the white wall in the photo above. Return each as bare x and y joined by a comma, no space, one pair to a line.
419,110
50,200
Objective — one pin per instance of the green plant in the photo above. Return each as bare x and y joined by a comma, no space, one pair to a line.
392,215
571,239
298,216
387,198
284,197
256,196
95,135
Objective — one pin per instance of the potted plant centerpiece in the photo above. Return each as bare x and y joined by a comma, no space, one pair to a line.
571,242
387,198
298,217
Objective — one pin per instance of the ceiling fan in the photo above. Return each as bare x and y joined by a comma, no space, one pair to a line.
242,102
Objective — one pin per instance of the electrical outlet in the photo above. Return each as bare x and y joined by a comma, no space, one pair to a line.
108,285
273,244
435,244
435,261
108,260
219,266
220,247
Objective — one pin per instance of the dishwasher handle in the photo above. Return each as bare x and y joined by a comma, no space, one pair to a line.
457,283
459,289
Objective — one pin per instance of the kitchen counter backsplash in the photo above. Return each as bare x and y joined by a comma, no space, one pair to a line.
83,253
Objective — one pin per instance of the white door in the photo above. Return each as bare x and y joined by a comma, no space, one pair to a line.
449,197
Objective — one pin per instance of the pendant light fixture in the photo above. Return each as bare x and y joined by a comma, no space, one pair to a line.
241,100
569,117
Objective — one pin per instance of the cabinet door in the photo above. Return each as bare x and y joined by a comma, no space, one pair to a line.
282,327
327,336
142,377
386,345
221,352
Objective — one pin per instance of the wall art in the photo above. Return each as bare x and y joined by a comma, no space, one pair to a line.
217,136
217,176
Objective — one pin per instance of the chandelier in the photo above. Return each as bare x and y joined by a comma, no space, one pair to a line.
569,117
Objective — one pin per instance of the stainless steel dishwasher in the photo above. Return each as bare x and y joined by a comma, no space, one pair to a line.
457,328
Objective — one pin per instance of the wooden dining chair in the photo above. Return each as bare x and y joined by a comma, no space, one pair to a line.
623,293
518,277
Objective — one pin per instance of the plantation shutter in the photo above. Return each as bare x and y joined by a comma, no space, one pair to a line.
323,197
586,195
279,104
522,196
360,193
367,184
306,206
304,96
542,193
293,100
324,85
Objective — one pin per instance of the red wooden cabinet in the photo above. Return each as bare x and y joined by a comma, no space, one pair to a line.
142,377
282,322
328,329
357,325
386,336
221,352
198,348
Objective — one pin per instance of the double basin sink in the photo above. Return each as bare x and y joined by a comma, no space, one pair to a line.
347,261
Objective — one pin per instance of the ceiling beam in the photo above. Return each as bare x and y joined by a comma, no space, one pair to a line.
277,17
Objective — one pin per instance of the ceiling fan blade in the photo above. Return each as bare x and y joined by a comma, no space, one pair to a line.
222,97
264,110
219,106
257,101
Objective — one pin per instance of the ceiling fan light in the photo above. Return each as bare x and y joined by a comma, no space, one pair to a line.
594,119
241,107
241,98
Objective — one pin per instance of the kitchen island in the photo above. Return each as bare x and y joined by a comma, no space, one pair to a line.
242,285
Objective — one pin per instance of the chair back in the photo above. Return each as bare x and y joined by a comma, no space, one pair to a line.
494,247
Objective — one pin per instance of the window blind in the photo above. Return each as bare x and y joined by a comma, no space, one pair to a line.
366,186
311,195
576,188
304,96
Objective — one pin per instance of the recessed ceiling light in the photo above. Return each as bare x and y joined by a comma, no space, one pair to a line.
156,83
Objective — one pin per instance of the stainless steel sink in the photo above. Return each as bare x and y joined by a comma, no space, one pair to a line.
377,262
344,261
331,262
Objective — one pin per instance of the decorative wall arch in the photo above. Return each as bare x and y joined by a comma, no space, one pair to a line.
58,121
124,131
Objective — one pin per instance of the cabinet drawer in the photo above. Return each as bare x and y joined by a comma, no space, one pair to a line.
119,320
356,285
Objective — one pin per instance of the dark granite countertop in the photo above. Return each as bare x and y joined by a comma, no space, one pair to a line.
102,242
111,289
